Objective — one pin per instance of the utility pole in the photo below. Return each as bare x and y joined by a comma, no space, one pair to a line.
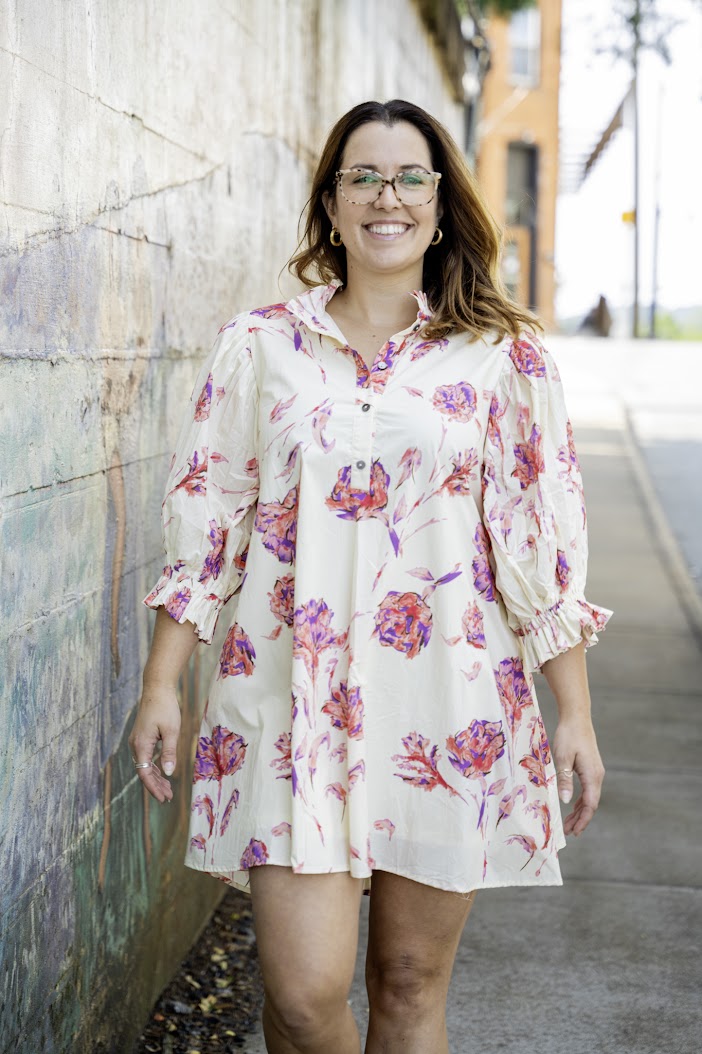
636,45
657,216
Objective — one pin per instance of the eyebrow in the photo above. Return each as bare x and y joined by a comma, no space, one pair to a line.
373,168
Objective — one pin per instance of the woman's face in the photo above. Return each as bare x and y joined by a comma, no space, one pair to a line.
385,235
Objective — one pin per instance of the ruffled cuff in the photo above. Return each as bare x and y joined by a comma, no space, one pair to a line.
559,629
184,601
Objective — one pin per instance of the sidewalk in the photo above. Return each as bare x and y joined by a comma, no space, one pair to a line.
610,963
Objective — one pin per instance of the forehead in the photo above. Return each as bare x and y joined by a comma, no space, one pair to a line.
382,147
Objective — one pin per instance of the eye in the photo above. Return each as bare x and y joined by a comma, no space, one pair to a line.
414,179
365,179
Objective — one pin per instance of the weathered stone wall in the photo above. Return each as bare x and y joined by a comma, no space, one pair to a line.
154,157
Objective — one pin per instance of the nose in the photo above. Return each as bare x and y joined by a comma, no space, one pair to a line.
388,198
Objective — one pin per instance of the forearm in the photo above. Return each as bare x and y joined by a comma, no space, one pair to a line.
566,676
172,645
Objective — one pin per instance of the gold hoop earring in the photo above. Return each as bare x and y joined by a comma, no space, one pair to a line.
335,237
435,240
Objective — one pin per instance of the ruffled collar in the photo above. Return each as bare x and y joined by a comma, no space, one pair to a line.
311,307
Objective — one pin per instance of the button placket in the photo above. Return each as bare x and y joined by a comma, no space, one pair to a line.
362,442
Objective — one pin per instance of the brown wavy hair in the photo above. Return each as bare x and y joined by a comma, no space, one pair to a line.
461,274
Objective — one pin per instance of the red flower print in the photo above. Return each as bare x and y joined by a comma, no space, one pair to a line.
277,522
212,567
284,762
472,623
313,633
562,571
282,599
240,559
530,459
220,755
385,825
464,466
346,709
199,842
255,854
457,401
178,602
482,571
509,801
281,829
231,804
514,690
410,460
204,804
527,358
542,812
237,654
352,503
527,843
422,767
202,409
475,750
539,756
403,622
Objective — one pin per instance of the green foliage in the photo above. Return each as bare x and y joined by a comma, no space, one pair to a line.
504,7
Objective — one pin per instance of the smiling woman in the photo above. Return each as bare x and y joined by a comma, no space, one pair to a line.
383,471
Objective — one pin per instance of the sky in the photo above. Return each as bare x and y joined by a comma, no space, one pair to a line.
594,247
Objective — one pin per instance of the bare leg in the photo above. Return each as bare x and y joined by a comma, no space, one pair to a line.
414,930
307,937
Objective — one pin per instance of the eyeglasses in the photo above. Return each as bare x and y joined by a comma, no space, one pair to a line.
362,187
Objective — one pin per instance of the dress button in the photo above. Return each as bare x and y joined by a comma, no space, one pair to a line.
382,365
366,406
415,328
360,464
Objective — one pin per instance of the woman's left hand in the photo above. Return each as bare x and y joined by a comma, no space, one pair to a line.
574,748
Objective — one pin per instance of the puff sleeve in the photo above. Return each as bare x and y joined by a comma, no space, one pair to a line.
534,510
209,505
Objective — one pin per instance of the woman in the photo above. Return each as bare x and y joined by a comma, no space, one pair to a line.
383,469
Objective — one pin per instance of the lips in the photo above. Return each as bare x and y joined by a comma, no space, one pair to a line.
387,230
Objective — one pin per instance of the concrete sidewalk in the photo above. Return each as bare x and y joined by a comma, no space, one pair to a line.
610,963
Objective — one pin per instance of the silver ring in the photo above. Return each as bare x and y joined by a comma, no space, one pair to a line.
565,772
143,764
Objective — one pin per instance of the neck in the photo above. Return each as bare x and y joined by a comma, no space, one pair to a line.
380,300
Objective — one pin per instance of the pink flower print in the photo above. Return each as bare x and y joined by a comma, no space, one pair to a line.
385,825
482,571
240,559
472,623
231,804
237,655
177,603
255,854
220,755
352,503
497,412
474,751
539,757
410,460
212,567
509,801
202,409
281,829
514,691
527,358
463,471
284,762
277,522
562,571
337,790
403,622
530,459
422,767
271,311
346,710
527,843
542,812
203,804
199,842
313,633
457,401
282,599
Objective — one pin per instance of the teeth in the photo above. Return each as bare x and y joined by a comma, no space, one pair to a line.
387,228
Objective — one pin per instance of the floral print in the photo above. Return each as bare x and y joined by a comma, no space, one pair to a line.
403,543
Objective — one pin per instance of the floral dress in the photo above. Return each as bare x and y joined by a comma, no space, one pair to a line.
402,546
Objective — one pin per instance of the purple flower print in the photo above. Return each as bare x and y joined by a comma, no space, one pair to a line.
272,311
411,459
282,599
562,571
284,762
345,708
194,482
226,817
421,768
482,571
403,622
177,603
202,409
277,522
255,854
539,756
313,633
474,751
541,811
457,401
527,358
203,804
514,691
472,623
220,755
385,825
530,459
463,471
240,559
238,654
527,843
352,503
212,567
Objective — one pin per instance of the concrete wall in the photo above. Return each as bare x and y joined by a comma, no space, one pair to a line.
154,157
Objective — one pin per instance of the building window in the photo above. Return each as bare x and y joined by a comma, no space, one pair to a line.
525,48
522,164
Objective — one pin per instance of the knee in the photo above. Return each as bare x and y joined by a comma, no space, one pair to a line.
396,983
305,1012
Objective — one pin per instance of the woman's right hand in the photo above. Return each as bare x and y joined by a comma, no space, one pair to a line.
158,719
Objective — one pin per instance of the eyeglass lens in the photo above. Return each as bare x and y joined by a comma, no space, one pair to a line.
412,188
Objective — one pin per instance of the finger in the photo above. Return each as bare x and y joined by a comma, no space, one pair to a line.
168,753
156,784
564,779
